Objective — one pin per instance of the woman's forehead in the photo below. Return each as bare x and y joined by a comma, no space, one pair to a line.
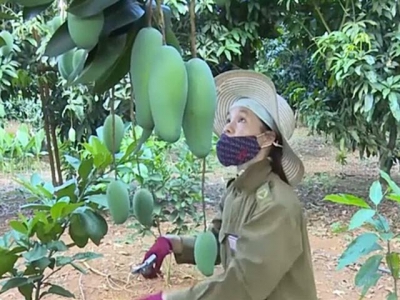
239,110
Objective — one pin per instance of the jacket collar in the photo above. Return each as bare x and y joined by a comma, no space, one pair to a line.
254,176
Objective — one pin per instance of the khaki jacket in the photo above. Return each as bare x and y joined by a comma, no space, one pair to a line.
264,246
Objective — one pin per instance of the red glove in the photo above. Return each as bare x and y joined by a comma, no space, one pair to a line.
161,248
153,297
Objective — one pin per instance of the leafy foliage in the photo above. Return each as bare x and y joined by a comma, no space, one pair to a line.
376,245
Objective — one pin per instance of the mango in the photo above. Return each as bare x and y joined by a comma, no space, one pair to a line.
85,32
206,252
198,119
118,201
144,51
168,89
118,134
143,206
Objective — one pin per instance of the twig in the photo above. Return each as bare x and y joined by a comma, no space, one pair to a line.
149,11
81,287
112,282
192,14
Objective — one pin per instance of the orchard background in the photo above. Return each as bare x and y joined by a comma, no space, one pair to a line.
337,63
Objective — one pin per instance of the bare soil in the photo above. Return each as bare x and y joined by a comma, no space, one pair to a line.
108,277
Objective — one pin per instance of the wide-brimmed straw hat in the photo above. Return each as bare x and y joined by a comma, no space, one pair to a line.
246,84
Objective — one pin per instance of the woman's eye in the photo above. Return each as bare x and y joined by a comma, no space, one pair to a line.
242,120
228,121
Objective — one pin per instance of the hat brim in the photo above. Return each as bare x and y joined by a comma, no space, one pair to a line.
236,84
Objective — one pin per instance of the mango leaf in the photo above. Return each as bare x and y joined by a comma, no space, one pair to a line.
117,17
393,262
57,290
394,105
392,296
360,246
85,168
100,200
360,217
368,102
60,42
31,12
368,274
14,283
120,67
394,197
347,199
393,186
88,8
6,16
375,192
86,256
26,290
7,261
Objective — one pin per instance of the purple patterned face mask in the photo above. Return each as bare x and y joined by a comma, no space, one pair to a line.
237,150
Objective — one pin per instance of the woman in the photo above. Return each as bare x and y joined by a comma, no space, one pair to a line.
261,229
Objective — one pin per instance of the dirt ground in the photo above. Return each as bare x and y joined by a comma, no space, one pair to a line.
108,277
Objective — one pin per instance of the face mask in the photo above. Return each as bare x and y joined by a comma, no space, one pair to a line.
237,150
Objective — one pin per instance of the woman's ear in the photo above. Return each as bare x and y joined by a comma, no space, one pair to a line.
267,139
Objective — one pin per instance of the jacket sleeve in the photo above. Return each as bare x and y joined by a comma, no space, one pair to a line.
267,246
187,242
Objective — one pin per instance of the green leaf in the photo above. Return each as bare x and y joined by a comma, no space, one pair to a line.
58,290
88,8
85,168
26,290
19,226
368,274
394,105
60,42
391,296
56,211
2,43
393,186
7,262
57,246
368,102
347,199
119,17
73,161
37,252
393,262
375,192
360,246
382,226
99,199
87,256
67,190
394,197
95,226
119,69
76,230
106,54
31,12
79,268
6,16
360,217
14,283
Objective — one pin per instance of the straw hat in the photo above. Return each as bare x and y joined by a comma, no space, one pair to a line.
238,84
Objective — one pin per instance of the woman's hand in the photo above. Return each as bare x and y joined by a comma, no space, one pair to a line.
161,248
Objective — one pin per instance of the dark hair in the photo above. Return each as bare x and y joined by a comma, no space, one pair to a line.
276,156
